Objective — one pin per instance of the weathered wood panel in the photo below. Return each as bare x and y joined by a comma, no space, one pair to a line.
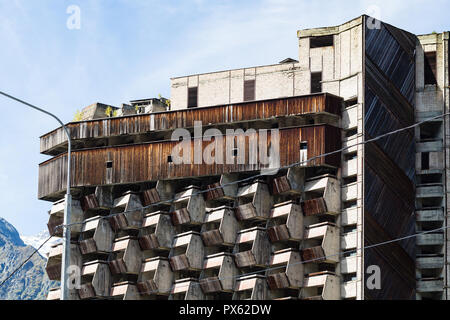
149,162
138,124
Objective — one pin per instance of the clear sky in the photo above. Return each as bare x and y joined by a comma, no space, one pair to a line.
126,50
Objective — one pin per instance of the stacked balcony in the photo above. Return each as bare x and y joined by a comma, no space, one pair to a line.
96,237
157,232
56,218
286,273
254,201
220,227
187,252
252,287
187,289
321,286
286,220
252,248
156,277
189,207
96,280
127,213
219,273
126,256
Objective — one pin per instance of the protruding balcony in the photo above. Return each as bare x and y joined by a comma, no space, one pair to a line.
187,252
157,232
55,294
128,213
101,199
289,270
430,261
429,285
162,192
254,201
54,262
189,207
252,287
323,196
291,183
223,190
156,277
253,248
286,222
220,227
187,289
127,256
321,286
57,218
96,280
126,290
430,239
219,273
97,236
322,243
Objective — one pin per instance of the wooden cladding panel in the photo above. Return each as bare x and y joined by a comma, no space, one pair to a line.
147,287
211,285
149,242
54,271
88,246
185,118
278,281
148,162
314,207
278,233
86,291
179,262
212,238
245,259
314,254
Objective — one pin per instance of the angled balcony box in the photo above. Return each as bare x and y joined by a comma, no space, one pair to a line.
323,196
321,286
129,212
160,195
157,232
220,227
156,277
223,190
253,248
286,222
252,287
127,256
126,290
430,285
321,243
56,218
187,289
96,280
187,252
287,270
101,199
189,207
292,183
219,273
55,294
254,202
430,239
54,262
97,236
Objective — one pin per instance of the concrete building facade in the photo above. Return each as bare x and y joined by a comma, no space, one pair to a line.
310,222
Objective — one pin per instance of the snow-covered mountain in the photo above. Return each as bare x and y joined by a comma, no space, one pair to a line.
36,240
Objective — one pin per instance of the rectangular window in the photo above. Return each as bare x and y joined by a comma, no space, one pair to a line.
319,42
249,90
316,82
425,160
303,153
430,67
192,97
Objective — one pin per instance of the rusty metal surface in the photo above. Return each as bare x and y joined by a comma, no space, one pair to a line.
170,120
149,161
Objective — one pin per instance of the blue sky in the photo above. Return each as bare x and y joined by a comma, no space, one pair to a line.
128,50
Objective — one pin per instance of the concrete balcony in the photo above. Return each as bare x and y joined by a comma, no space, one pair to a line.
430,285
430,191
156,277
126,290
220,227
291,183
349,241
126,256
187,289
254,202
54,262
321,286
101,199
162,192
56,218
350,168
429,146
430,215
253,248
128,213
286,222
252,287
324,194
349,265
219,273
187,252
430,239
97,236
223,190
289,272
189,207
322,243
96,280
430,262
157,232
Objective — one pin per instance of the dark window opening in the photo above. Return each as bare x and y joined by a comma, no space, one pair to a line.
249,90
192,97
351,102
430,67
349,277
316,82
235,152
304,145
350,156
323,41
169,159
430,131
425,160
351,132
349,180
350,204
109,164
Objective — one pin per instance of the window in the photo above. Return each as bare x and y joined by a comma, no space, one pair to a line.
304,153
319,42
425,160
351,102
249,90
192,97
169,159
316,82
430,67
109,164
